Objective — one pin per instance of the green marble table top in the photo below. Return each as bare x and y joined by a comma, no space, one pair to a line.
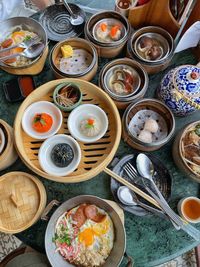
150,240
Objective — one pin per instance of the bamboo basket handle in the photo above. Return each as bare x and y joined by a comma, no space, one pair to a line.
48,208
132,187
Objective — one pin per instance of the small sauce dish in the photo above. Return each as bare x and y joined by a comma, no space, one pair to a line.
87,123
67,96
65,161
41,107
189,209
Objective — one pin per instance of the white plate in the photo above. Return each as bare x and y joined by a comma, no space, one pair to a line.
2,138
84,112
41,107
44,155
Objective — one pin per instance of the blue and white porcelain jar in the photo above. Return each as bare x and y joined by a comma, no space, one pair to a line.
180,90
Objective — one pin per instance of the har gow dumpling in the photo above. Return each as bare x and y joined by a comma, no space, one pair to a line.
145,136
90,127
151,125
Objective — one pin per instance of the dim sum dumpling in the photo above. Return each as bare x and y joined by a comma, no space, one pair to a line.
151,125
90,127
145,136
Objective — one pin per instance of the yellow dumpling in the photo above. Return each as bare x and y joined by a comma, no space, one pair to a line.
67,51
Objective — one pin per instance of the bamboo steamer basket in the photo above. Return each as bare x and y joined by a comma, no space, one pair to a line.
95,156
107,50
147,104
22,201
9,154
151,67
86,75
177,152
121,102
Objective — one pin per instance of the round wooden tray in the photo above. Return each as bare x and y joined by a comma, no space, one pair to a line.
95,156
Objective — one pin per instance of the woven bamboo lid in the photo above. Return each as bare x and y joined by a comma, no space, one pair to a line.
22,200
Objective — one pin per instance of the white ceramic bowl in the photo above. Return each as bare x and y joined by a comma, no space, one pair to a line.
41,107
44,155
3,140
180,207
83,112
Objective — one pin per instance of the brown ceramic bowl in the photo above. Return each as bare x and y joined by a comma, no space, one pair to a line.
107,49
141,84
178,156
165,120
164,37
87,73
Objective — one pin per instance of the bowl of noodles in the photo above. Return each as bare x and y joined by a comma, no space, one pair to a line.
15,31
85,231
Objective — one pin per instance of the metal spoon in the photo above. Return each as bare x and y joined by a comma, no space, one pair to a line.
31,52
75,19
146,169
129,198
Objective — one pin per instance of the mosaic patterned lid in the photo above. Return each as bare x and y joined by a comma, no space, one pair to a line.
187,79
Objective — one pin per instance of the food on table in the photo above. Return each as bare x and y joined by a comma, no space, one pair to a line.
107,32
191,148
42,122
151,125
73,60
62,155
90,127
149,48
14,38
84,236
145,136
123,81
26,84
67,51
67,96
124,4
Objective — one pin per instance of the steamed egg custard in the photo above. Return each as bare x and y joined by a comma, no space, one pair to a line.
84,236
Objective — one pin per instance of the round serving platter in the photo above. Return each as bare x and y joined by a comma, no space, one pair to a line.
95,156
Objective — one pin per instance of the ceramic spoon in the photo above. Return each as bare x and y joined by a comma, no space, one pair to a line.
145,168
74,18
129,198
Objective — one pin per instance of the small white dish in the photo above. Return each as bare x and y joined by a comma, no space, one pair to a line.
3,140
189,207
46,162
41,107
84,112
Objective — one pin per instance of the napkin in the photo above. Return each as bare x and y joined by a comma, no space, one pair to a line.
191,38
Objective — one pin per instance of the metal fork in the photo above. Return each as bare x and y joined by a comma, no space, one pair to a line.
130,169
184,225
25,44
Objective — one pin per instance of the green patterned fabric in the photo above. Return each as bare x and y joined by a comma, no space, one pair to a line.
150,240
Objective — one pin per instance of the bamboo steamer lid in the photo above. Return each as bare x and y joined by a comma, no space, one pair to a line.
22,201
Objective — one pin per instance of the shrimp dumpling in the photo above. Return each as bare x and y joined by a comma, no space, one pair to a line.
102,32
145,136
151,125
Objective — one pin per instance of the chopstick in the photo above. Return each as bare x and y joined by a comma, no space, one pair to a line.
132,187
